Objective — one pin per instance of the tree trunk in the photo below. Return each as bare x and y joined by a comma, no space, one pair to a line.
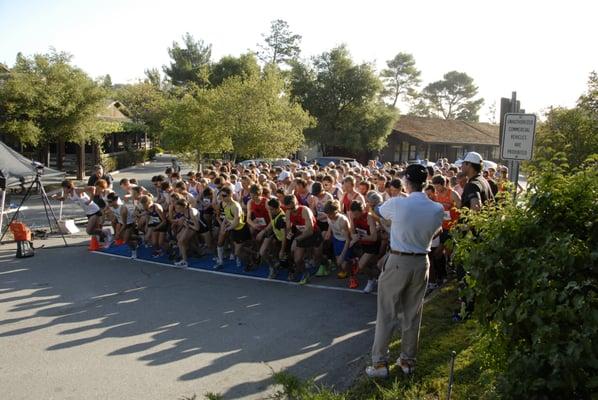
81,160
96,153
60,154
46,156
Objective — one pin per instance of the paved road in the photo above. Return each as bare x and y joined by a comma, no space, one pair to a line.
76,325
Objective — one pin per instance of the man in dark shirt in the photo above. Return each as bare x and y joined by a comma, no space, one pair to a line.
98,173
476,192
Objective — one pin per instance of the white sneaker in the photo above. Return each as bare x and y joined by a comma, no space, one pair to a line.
232,257
181,264
219,264
109,235
238,261
134,254
379,370
371,286
107,243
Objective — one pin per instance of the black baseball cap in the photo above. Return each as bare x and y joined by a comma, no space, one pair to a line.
416,173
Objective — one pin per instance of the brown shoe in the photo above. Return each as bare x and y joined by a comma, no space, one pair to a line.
407,366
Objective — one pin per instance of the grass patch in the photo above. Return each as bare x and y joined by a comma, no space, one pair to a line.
438,337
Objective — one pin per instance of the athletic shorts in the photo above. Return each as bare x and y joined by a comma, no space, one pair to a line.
323,226
312,241
241,235
204,226
99,214
164,227
338,246
370,248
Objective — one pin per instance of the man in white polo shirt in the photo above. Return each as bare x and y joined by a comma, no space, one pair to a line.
415,220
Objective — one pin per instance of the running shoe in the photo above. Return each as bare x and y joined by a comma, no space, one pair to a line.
181,264
272,273
219,264
371,286
107,243
134,254
322,271
232,256
109,235
305,278
238,262
353,283
355,268
342,275
378,370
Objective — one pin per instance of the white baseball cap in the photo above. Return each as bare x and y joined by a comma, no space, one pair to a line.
284,175
473,157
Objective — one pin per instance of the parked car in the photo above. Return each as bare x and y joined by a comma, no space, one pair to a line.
277,162
325,160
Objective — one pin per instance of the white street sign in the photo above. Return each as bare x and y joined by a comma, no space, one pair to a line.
518,137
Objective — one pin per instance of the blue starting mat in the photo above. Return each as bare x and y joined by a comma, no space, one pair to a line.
203,263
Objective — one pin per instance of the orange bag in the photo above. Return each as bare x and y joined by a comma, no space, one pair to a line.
20,231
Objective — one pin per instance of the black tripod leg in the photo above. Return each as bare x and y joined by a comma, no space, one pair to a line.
46,201
27,194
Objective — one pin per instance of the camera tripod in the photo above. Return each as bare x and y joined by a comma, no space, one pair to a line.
47,208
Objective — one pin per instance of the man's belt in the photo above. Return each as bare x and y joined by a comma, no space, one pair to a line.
400,253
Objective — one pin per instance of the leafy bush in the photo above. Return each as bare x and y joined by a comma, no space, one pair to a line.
153,151
532,271
124,159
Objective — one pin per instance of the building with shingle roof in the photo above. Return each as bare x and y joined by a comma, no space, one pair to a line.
417,138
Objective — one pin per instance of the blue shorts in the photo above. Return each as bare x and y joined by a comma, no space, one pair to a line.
338,246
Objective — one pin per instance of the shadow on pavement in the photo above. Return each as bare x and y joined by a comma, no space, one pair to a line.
239,330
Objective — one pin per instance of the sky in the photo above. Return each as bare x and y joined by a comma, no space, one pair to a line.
543,50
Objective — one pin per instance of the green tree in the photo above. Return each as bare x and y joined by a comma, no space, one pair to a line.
44,98
152,75
145,104
452,97
570,134
589,100
281,45
189,127
400,78
106,82
245,66
344,97
259,117
190,63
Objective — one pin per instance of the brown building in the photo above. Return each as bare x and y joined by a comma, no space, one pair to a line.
419,138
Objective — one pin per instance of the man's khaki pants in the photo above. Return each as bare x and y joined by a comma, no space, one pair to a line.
401,289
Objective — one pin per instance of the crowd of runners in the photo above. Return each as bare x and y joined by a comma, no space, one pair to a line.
297,217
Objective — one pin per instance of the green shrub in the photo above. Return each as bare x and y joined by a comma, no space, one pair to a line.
124,159
532,271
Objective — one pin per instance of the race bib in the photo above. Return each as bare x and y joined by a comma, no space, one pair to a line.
447,216
260,221
154,220
361,232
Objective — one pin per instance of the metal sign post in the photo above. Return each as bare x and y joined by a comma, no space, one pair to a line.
517,134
